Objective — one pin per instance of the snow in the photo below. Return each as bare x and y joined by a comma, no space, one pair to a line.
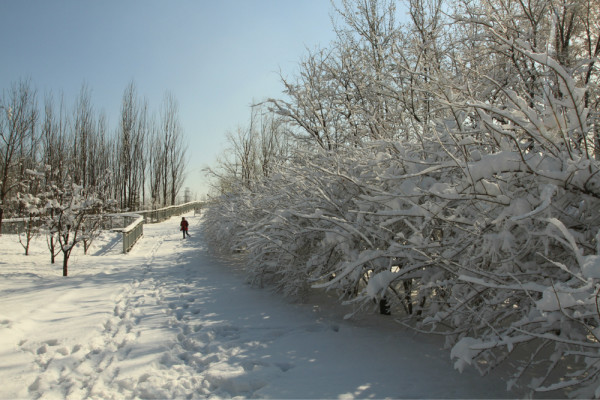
554,300
464,352
168,320
591,267
379,283
546,198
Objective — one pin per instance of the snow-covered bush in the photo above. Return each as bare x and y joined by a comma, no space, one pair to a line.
496,250
531,277
28,205
480,224
74,215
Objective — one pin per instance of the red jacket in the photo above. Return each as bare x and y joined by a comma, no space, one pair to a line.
184,225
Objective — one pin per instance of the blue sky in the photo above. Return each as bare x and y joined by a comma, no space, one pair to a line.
215,57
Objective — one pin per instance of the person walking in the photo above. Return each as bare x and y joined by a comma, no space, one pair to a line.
184,227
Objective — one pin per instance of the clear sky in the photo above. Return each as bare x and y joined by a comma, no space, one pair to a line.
215,56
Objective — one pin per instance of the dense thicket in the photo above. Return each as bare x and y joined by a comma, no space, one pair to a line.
447,166
140,163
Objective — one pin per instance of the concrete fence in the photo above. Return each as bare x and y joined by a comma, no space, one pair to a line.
16,225
161,214
132,231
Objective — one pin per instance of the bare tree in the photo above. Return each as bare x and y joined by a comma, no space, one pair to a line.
255,151
55,159
55,146
78,214
82,134
30,205
311,107
369,27
155,157
18,119
174,150
99,153
273,141
132,138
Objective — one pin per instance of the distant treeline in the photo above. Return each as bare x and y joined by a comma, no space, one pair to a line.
140,162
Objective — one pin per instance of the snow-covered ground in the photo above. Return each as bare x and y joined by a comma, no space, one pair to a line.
168,320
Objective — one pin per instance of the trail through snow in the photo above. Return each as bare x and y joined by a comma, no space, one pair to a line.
168,320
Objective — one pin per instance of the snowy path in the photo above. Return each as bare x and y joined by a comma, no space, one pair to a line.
169,321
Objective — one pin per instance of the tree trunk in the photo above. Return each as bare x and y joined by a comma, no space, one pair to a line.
384,306
66,262
51,246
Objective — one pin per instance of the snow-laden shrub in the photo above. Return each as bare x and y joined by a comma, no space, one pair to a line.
531,277
481,225
503,266
485,231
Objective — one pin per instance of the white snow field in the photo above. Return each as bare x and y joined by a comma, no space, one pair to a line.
169,321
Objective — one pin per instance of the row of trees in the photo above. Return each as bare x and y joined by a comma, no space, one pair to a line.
64,166
140,163
447,168
255,151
